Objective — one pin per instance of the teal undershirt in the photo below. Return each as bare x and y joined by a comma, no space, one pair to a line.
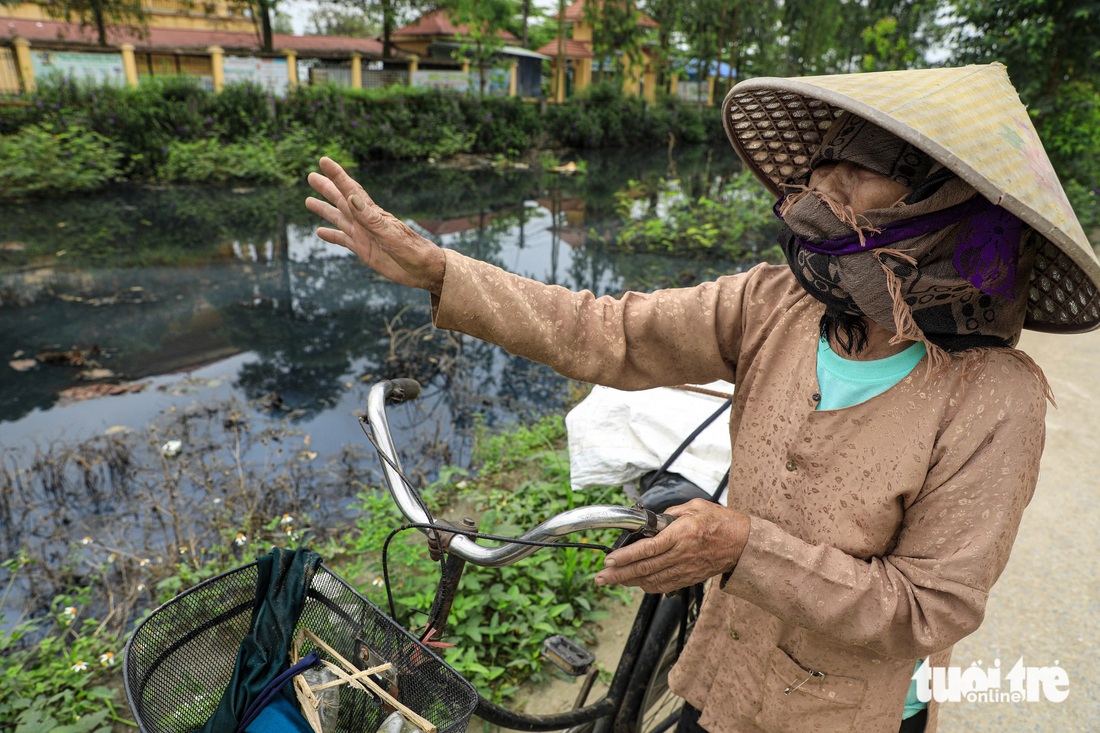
846,382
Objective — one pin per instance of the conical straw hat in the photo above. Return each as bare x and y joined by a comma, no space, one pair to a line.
971,120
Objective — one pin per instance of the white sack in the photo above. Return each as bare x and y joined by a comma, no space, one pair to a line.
615,437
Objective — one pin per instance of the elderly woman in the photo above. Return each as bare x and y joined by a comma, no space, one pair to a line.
885,432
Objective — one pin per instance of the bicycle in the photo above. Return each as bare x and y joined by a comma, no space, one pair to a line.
637,698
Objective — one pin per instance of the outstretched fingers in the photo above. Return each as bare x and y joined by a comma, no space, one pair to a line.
345,184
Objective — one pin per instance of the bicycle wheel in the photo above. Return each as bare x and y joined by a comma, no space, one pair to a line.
659,708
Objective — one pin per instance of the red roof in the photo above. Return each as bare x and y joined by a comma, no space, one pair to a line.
575,14
573,49
172,39
438,23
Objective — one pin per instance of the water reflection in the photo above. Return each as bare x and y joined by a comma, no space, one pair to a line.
168,281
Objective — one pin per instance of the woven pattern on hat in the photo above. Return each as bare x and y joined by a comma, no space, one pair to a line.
779,132
1062,297
969,119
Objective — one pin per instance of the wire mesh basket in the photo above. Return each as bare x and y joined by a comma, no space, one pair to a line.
180,659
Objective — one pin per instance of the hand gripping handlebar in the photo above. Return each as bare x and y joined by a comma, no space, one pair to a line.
634,519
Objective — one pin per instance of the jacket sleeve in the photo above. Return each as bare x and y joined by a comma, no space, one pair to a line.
687,335
930,589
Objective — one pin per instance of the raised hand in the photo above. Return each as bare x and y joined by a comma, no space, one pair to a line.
382,242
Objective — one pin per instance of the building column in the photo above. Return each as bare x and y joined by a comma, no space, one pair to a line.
414,65
649,85
129,64
291,67
513,79
23,61
217,57
582,74
357,71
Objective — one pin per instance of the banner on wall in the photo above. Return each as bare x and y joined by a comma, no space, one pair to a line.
268,73
496,82
692,91
453,80
99,68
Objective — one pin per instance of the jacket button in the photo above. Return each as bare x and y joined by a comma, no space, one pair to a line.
734,635
791,466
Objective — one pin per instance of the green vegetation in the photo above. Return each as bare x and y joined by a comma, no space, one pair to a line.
61,668
501,615
49,157
170,130
731,218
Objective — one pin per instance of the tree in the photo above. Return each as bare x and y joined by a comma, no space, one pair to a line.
1050,49
485,19
101,14
333,20
615,29
262,13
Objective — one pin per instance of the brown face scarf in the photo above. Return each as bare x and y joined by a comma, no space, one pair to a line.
944,267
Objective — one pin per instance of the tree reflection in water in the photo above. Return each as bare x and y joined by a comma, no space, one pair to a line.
170,281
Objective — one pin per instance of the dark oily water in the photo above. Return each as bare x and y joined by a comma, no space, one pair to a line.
143,326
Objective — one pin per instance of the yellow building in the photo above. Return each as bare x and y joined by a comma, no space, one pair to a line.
639,77
203,15
214,41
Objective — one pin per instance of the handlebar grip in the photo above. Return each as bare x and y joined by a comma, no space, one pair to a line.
401,390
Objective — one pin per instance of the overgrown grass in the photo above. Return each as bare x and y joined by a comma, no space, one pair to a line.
61,658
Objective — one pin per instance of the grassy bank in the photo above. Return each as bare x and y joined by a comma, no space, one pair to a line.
61,668
71,137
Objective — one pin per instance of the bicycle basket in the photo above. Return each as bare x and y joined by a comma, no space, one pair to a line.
180,659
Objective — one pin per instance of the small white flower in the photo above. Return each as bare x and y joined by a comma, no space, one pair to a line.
377,581
80,666
70,613
171,449
218,501
287,519
107,659
183,550
86,541
140,587
241,539
143,562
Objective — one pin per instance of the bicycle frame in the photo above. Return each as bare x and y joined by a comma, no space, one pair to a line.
613,713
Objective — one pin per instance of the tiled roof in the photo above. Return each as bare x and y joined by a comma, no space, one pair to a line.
573,49
438,23
171,39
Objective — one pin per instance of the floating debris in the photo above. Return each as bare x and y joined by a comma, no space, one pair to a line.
91,391
23,365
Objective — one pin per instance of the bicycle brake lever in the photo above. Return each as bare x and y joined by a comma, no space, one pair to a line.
654,524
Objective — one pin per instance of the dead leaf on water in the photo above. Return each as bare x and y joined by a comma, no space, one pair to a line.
22,365
92,391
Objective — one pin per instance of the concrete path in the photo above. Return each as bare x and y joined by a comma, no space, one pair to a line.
1046,606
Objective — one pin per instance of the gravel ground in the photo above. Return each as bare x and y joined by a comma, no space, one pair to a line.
1046,606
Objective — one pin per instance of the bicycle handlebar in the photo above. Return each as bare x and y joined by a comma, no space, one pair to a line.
573,520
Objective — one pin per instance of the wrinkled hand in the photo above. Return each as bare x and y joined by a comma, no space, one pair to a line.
705,540
383,242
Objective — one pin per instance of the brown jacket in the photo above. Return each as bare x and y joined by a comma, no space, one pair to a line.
877,530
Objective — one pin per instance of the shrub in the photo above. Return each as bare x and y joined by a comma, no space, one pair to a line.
59,160
280,161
